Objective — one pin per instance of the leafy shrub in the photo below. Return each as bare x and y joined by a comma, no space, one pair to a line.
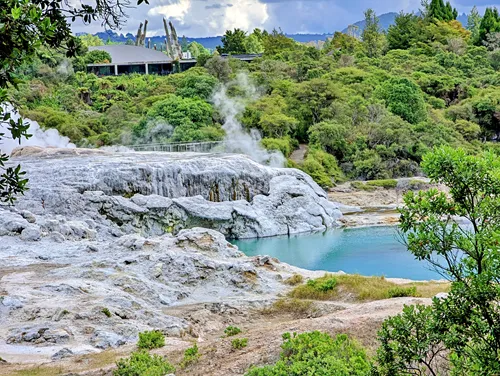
386,183
106,311
239,343
322,167
323,286
279,144
294,280
191,356
97,57
401,292
141,363
232,331
153,339
318,289
316,353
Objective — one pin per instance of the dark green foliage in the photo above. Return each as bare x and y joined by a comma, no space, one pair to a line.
97,57
233,42
232,331
153,339
441,12
404,98
239,343
490,23
404,32
318,353
142,363
465,326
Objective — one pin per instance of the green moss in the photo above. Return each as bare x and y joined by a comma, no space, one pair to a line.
239,343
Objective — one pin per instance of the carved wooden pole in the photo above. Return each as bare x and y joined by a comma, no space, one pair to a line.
139,35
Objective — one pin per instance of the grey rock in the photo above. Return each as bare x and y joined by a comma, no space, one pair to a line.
105,340
29,216
57,237
228,193
11,223
11,302
63,353
31,234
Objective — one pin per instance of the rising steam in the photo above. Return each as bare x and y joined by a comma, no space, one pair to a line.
237,139
40,137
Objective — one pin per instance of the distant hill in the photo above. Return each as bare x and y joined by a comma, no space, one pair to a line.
387,19
208,42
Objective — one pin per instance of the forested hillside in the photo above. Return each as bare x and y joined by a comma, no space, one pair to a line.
367,108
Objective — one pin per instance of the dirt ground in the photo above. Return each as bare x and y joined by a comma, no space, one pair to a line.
263,330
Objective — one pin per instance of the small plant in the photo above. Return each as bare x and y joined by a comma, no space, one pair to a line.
142,363
239,343
295,279
232,331
324,285
153,339
191,356
401,292
106,311
362,186
316,353
386,183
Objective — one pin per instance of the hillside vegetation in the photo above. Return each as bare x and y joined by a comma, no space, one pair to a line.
368,109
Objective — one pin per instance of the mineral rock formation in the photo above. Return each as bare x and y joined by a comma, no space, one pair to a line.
154,193
102,243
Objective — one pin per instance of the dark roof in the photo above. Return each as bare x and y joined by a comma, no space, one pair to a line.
125,54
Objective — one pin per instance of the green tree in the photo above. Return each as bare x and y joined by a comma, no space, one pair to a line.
474,24
25,26
441,12
490,23
404,32
233,42
89,40
277,43
253,45
467,321
97,57
219,67
372,36
404,98
197,49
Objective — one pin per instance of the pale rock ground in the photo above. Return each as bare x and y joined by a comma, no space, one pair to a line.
93,234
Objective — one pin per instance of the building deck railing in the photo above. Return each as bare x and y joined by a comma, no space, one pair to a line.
178,147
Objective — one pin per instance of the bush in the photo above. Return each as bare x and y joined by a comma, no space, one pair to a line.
191,356
141,363
386,183
401,292
153,339
318,289
232,331
316,353
323,286
279,144
239,343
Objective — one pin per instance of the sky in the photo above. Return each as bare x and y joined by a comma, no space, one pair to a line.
203,18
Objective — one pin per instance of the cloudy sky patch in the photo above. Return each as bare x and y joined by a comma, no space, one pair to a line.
202,18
